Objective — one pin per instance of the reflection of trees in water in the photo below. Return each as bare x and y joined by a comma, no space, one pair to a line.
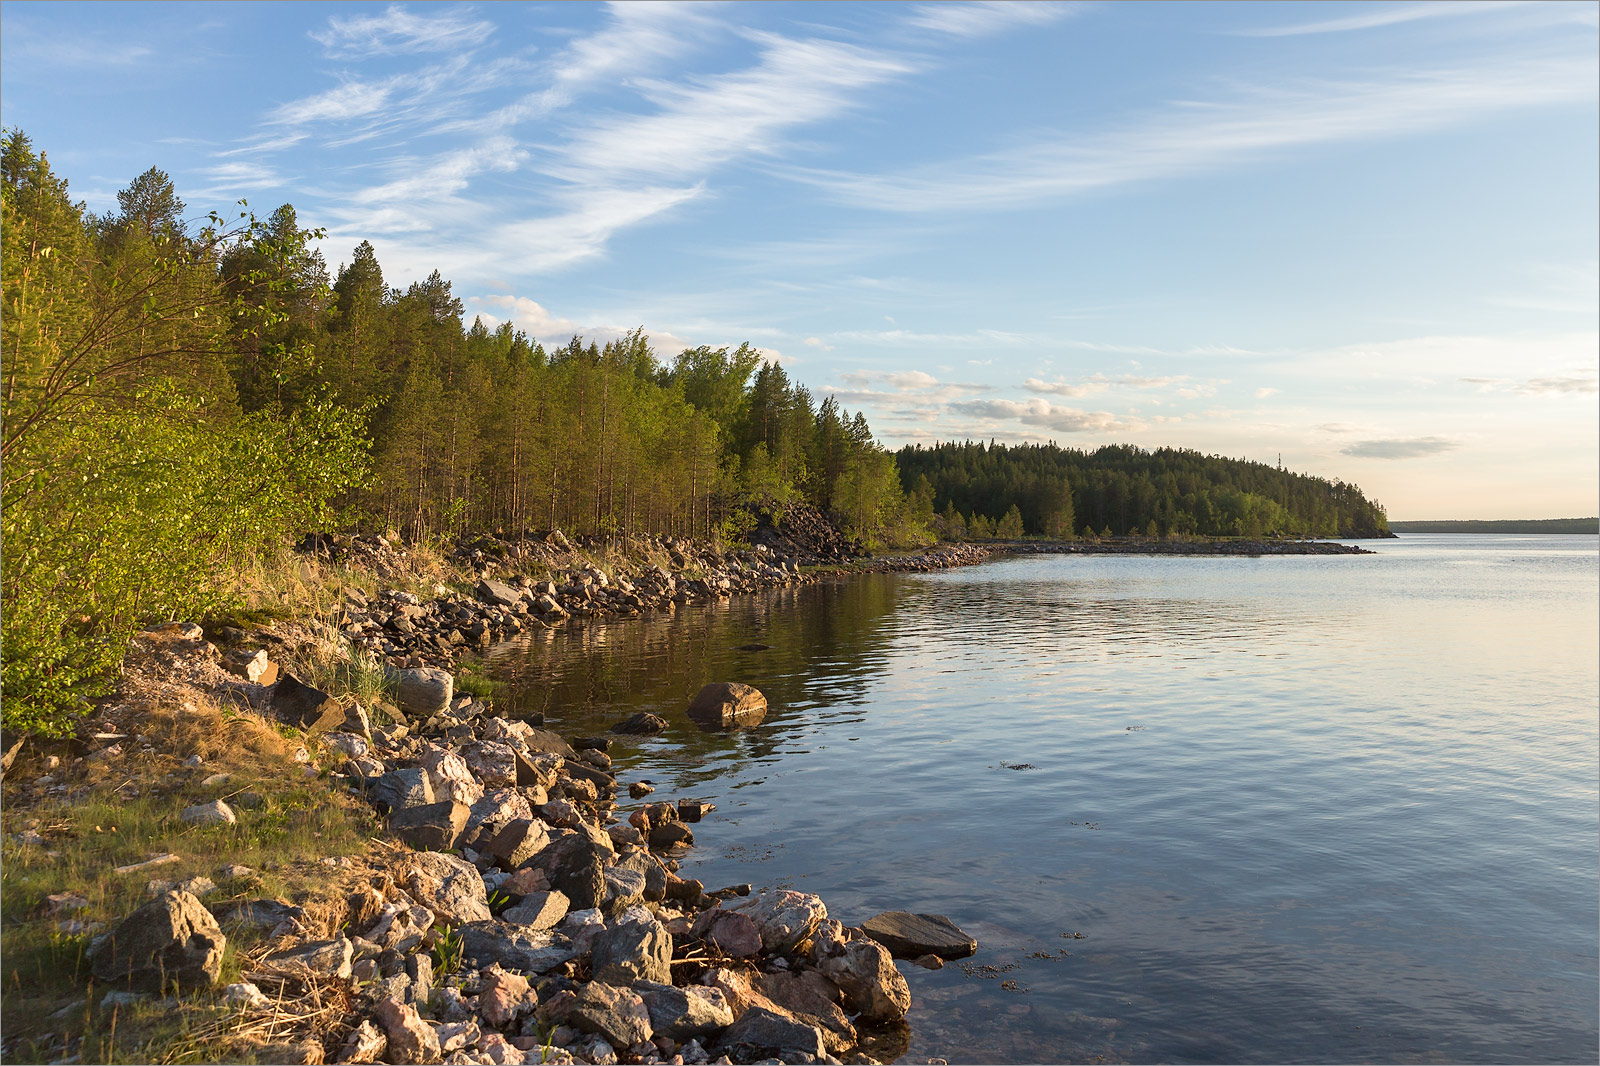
827,642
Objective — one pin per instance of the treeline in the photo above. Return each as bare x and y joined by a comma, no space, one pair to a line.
1507,525
993,489
180,398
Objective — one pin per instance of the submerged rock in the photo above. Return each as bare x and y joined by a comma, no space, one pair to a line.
727,705
908,935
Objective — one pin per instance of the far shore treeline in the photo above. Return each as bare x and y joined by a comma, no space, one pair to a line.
181,398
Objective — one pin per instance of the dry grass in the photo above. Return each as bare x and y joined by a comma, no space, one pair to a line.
123,810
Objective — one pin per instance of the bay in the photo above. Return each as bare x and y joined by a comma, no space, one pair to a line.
1287,809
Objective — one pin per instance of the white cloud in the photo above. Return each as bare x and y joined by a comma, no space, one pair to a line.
1264,392
1399,448
398,31
1044,415
817,342
1199,136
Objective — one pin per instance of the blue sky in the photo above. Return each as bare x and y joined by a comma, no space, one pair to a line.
1363,236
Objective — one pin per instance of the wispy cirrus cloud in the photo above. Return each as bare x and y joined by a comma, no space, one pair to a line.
1582,382
1097,383
1386,16
1197,136
705,123
981,19
398,31
1399,448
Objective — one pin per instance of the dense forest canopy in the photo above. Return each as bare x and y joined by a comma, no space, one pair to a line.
181,397
1126,490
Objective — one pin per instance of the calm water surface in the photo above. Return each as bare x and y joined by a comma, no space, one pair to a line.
1300,809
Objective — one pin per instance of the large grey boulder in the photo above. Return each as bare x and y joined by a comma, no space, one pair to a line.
515,948
517,842
761,1034
685,1013
910,936
618,1014
537,911
399,789
727,705
424,691
632,951
576,865
491,591
172,940
432,827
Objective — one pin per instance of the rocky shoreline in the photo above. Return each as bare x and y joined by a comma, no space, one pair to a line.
528,918
511,595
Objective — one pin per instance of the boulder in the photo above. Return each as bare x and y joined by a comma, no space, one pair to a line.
693,810
632,951
727,705
624,889
517,842
170,940
447,885
537,771
684,1013
424,691
434,827
576,865
450,776
347,744
908,936
318,958
762,1034
410,1039
503,996
490,591
642,724
618,1014
492,762
537,911
214,813
399,789
784,917
730,932
813,999
515,948
298,704
872,987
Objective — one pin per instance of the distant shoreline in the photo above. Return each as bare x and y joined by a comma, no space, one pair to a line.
1509,525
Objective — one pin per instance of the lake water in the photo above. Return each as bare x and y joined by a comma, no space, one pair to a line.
1300,809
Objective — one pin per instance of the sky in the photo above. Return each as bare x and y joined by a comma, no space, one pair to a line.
1359,236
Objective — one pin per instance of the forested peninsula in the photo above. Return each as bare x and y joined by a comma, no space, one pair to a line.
184,398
